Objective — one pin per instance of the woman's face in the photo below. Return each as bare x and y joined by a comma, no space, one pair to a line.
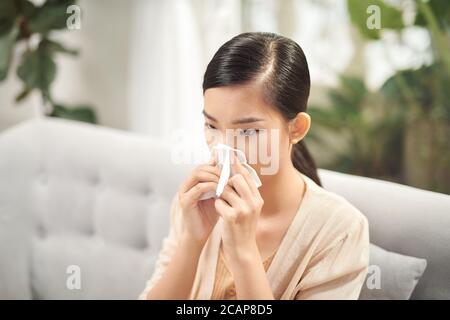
239,117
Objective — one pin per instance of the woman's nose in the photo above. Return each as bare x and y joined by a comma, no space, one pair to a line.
222,136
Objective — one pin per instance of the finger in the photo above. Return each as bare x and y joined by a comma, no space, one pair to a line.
209,168
197,177
241,186
224,209
212,161
199,189
204,173
238,167
232,197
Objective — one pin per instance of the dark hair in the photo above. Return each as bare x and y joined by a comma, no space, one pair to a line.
281,65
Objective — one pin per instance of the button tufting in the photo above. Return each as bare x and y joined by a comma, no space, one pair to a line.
43,177
41,231
90,232
94,179
147,190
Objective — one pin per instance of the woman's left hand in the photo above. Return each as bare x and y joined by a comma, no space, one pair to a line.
240,206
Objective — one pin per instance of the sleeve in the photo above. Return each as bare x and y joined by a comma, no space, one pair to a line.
341,271
169,245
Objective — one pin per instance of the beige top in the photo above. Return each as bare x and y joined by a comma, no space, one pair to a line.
224,288
324,254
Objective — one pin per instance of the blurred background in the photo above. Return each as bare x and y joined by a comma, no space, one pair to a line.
380,99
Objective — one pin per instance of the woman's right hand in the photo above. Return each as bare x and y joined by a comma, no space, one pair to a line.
199,216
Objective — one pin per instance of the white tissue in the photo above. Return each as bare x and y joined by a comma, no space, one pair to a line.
224,162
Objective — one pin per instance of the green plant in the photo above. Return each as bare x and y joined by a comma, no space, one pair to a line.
423,90
415,140
26,26
426,113
369,134
391,17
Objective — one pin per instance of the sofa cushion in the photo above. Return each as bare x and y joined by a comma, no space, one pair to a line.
81,196
405,220
391,275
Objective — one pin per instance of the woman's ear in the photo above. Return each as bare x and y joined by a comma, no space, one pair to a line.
299,127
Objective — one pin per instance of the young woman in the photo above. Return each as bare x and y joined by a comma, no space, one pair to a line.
288,239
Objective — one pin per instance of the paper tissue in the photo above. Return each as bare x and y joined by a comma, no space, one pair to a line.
224,162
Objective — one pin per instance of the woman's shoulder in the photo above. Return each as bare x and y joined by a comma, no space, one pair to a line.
333,212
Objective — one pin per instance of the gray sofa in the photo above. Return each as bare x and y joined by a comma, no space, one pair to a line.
73,194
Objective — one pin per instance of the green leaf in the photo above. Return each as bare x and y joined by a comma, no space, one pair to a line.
429,85
50,16
28,9
355,88
8,13
324,117
37,69
23,94
79,113
52,47
14,10
7,8
6,47
440,8
390,17
5,26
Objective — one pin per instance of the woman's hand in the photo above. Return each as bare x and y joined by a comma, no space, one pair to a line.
199,217
240,206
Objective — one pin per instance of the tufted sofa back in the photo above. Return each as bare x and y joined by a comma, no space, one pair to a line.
76,198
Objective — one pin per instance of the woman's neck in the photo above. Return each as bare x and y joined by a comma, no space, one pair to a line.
283,191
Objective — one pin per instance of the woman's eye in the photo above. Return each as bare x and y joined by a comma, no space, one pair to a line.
248,132
209,126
